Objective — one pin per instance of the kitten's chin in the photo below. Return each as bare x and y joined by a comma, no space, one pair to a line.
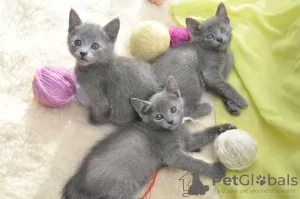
82,62
222,47
173,127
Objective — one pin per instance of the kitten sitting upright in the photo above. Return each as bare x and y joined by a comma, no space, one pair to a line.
120,164
203,64
108,80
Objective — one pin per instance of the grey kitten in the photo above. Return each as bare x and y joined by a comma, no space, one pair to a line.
120,164
108,80
203,64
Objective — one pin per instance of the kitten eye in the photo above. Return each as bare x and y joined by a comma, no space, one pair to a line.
95,46
209,36
173,109
77,42
223,30
159,116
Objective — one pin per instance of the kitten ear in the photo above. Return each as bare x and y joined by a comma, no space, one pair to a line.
172,87
222,12
140,106
74,20
193,25
112,29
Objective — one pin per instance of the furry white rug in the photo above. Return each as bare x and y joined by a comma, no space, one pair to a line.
40,147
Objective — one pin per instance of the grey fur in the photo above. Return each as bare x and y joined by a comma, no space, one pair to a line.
118,166
108,80
203,64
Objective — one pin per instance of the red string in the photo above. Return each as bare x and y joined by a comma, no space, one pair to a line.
150,186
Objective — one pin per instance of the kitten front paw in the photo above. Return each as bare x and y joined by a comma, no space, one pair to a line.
232,107
242,102
92,120
196,150
96,121
218,170
225,127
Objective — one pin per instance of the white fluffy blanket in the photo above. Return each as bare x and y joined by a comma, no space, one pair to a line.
41,147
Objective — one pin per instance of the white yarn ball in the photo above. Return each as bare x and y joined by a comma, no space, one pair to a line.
236,149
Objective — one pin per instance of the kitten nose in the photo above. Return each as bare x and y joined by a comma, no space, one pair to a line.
220,39
83,54
171,122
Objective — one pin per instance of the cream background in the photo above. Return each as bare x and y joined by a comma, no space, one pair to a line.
41,147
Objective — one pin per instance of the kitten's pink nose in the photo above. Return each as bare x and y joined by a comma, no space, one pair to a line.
83,54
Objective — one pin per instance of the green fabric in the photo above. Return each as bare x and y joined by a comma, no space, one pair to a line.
266,47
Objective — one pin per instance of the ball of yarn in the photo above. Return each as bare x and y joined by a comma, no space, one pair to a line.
179,35
236,149
148,40
82,97
54,87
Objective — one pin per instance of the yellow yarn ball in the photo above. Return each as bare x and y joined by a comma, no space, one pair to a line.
148,40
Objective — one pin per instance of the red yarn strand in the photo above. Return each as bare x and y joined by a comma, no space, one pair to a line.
150,186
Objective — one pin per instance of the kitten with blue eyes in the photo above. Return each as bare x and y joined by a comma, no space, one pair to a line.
203,64
108,80
120,164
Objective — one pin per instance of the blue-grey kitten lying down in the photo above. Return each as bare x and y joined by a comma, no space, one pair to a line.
203,64
119,165
108,80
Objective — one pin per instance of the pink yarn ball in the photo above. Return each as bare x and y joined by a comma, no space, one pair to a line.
54,87
179,35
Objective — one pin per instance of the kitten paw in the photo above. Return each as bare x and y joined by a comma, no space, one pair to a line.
225,127
218,170
232,107
91,120
197,150
202,110
94,121
242,103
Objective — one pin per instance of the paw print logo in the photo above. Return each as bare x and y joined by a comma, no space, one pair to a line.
261,180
